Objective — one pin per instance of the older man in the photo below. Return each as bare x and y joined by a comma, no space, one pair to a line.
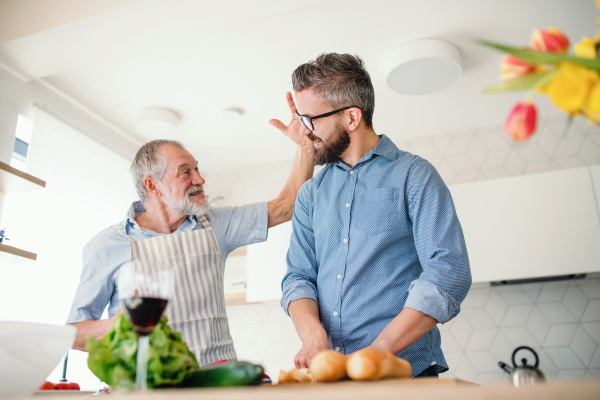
377,256
173,218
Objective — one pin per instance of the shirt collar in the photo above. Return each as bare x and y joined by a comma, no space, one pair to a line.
137,208
385,147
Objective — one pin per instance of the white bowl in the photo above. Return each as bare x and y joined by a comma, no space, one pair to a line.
29,352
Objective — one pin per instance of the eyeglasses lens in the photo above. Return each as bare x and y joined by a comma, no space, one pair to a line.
307,123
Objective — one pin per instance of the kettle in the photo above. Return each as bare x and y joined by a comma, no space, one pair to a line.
524,375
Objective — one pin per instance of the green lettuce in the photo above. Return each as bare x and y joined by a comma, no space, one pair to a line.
112,359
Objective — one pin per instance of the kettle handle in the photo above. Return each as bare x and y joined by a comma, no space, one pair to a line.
537,359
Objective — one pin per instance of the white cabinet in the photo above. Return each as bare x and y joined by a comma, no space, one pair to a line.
531,226
267,265
595,171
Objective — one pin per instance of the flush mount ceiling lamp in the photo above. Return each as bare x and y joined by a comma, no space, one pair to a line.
423,67
157,123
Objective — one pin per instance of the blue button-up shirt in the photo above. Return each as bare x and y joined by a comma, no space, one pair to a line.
372,239
104,255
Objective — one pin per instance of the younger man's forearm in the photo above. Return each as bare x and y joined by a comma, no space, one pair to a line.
305,316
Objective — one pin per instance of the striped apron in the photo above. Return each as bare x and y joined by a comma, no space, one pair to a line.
197,309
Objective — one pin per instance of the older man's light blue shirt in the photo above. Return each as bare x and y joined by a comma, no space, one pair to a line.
370,240
109,250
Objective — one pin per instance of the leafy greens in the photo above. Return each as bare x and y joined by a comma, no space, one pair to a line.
113,358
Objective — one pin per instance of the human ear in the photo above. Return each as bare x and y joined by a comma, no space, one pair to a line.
152,187
354,116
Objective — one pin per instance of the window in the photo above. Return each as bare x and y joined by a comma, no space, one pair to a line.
22,140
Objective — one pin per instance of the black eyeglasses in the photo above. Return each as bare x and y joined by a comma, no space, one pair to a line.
308,121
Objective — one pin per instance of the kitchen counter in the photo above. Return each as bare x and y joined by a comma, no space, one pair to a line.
418,389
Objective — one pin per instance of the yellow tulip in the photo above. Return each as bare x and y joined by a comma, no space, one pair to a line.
586,48
592,106
570,89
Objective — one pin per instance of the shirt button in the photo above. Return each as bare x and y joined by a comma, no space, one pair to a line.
345,240
335,313
339,276
337,349
351,172
347,204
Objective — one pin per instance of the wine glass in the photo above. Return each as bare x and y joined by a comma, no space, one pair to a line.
144,289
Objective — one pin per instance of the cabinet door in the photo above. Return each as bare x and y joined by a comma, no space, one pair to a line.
595,171
530,226
267,264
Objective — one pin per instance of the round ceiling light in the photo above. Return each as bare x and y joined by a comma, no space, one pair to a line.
231,115
157,123
424,66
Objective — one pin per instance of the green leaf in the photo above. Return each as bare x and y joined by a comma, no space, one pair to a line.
538,57
113,358
522,83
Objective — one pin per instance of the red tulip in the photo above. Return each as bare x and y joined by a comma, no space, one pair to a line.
521,121
552,40
512,67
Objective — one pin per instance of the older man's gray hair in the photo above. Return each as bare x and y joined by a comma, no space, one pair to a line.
150,161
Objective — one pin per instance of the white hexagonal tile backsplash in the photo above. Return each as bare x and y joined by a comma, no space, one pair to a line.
473,342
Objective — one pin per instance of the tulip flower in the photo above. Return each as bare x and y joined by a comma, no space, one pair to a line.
552,40
570,89
521,122
587,48
592,106
512,67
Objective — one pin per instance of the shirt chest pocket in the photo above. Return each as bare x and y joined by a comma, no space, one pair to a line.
376,211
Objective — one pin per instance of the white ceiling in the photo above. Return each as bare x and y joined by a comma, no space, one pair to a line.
197,57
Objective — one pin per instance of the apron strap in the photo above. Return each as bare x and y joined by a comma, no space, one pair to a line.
202,219
119,229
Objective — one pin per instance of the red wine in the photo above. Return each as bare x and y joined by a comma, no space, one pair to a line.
145,312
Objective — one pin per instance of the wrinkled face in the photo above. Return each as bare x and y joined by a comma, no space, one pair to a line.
182,185
330,137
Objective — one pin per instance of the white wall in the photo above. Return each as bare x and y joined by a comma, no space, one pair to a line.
18,97
88,188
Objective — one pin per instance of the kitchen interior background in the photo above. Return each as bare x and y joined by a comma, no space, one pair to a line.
561,320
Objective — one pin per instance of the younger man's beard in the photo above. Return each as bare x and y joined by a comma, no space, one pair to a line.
332,150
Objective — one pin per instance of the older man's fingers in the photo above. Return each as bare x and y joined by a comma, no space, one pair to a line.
291,104
279,125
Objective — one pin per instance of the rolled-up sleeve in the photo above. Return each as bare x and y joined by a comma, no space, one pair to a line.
440,245
95,287
300,280
240,226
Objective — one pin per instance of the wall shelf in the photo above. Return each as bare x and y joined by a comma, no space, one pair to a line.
14,181
9,255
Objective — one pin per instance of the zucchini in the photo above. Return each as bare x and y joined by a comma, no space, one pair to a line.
235,373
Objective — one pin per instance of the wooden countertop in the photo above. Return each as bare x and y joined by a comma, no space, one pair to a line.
417,389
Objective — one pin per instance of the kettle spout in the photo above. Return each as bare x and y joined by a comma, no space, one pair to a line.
509,370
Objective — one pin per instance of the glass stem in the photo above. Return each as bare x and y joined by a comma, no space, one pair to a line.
141,372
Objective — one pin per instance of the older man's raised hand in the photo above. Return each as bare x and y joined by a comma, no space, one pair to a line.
294,130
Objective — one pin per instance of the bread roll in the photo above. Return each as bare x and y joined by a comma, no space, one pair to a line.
328,366
370,365
295,376
286,377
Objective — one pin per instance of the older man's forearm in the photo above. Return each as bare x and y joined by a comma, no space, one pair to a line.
282,208
96,329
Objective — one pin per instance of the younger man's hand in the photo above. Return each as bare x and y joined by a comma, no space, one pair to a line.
310,348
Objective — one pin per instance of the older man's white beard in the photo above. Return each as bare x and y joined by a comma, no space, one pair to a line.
186,205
